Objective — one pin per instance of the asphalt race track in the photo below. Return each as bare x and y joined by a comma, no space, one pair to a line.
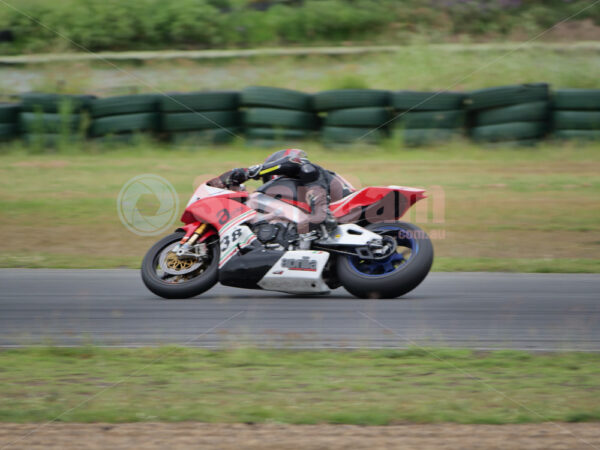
474,310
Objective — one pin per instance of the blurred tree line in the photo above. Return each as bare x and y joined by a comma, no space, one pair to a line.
40,25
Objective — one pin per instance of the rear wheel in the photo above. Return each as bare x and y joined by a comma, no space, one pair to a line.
394,276
170,277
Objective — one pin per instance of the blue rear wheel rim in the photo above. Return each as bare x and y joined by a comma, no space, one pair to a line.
406,243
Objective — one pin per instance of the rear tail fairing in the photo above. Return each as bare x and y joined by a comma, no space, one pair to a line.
376,204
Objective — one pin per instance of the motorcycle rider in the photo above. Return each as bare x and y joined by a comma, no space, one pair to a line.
316,184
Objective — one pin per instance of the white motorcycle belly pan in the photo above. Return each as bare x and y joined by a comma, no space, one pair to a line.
297,272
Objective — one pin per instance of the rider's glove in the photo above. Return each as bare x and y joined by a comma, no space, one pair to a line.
238,176
253,171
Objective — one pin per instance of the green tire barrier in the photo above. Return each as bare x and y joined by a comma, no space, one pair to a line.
578,135
209,136
126,104
582,99
431,119
347,135
48,139
124,123
524,112
269,143
576,120
358,117
111,140
9,112
422,136
189,121
283,118
506,95
277,133
199,101
350,98
507,115
52,103
269,97
49,122
512,131
8,131
427,101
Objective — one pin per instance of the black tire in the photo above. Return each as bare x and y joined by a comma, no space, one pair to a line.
348,135
52,103
200,120
358,117
48,122
270,97
350,98
280,134
187,289
507,95
577,99
200,101
509,131
284,118
432,119
124,123
415,137
204,137
578,135
525,112
394,284
126,104
8,131
9,112
576,120
427,101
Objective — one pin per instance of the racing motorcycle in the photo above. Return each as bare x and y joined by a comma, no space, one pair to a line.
252,240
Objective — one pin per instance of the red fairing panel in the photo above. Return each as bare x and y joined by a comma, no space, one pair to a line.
371,195
216,211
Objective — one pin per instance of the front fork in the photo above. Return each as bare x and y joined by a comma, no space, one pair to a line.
193,232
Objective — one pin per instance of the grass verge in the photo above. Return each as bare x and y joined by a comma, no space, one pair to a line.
301,387
418,67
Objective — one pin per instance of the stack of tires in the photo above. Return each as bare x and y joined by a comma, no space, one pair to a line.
9,121
576,114
275,116
120,119
427,117
199,118
52,119
353,115
510,115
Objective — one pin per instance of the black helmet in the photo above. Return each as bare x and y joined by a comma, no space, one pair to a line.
281,156
290,153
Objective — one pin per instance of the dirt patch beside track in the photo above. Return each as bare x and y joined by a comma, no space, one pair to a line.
547,436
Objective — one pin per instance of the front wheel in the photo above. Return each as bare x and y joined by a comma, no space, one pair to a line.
394,276
170,277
